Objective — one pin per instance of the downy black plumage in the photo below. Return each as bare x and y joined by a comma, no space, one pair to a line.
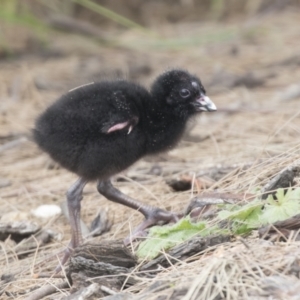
100,129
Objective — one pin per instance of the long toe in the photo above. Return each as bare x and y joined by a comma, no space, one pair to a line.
155,216
67,253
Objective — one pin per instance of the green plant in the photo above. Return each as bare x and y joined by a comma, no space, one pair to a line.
241,219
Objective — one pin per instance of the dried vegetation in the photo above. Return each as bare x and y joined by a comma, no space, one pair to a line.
253,136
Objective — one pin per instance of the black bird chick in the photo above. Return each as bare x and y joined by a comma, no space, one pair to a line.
100,129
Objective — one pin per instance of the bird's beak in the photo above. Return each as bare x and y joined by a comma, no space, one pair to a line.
203,103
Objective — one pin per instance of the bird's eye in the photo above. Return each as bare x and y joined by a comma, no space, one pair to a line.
184,93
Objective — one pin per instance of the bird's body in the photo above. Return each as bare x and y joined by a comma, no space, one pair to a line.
100,129
74,130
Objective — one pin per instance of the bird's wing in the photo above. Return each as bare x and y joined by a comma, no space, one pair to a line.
129,124
121,115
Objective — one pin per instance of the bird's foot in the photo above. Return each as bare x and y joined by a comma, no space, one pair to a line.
155,216
67,253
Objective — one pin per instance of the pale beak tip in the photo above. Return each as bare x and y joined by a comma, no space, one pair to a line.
207,104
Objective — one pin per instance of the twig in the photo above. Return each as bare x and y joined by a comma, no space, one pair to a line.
86,293
13,144
107,290
47,290
284,179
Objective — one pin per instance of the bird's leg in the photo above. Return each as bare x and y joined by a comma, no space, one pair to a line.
152,214
74,196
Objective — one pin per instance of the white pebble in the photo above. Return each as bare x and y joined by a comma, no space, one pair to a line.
46,211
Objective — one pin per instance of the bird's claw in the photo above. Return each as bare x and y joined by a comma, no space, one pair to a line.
130,129
157,215
154,217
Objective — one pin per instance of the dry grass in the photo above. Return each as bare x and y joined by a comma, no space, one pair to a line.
270,141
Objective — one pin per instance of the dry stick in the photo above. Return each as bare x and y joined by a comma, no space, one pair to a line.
48,259
107,290
282,180
47,290
87,292
13,144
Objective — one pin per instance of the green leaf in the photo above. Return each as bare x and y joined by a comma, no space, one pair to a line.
241,212
287,206
241,220
165,237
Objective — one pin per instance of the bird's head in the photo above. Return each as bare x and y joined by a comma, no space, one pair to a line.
182,91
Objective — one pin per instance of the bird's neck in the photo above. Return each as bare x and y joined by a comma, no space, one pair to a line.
164,128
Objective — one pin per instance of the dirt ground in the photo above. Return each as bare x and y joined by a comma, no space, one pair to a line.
251,71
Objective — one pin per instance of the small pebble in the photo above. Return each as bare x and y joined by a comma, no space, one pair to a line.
46,211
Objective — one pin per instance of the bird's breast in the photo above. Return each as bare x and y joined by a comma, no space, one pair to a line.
111,154
164,137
